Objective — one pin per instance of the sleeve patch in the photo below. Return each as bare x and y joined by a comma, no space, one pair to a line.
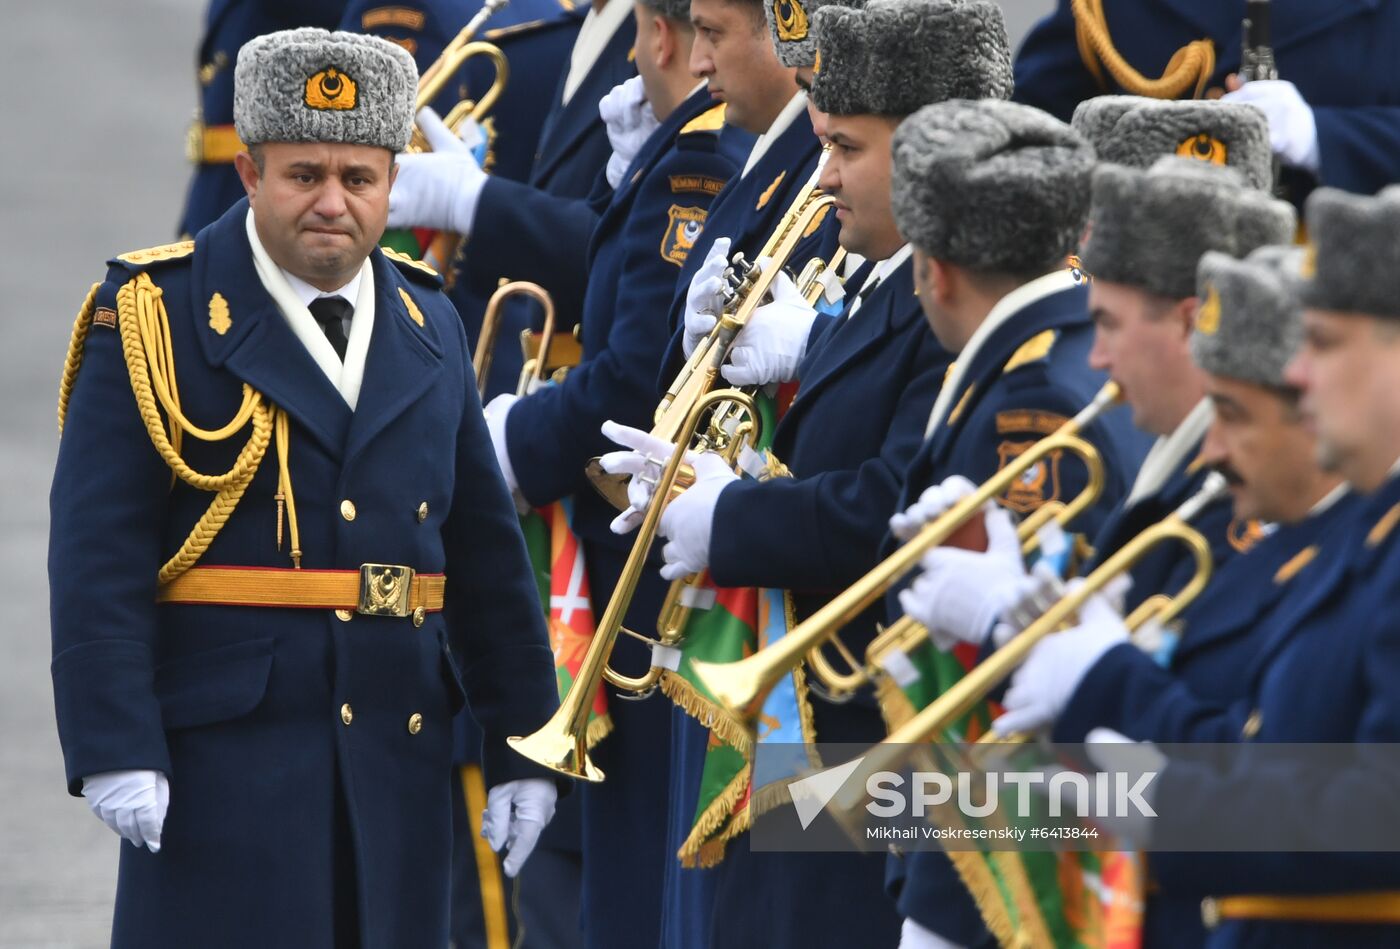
1029,420
406,17
1038,485
105,316
683,227
699,184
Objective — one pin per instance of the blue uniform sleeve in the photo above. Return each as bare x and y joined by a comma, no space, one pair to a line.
1359,147
492,605
553,433
823,532
107,517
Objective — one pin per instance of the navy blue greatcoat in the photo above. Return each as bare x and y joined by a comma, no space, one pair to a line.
867,385
282,816
1338,54
228,24
997,414
1326,671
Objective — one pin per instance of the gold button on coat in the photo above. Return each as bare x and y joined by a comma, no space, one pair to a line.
1252,724
347,509
415,723
347,714
419,616
344,615
422,512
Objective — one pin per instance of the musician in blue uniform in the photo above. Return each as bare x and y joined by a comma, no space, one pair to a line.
300,560
867,380
544,441
1185,684
212,141
1334,115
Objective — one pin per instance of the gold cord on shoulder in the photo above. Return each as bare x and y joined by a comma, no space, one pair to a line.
1189,70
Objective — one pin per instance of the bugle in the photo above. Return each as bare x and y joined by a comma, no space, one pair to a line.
545,357
739,685
453,57
561,744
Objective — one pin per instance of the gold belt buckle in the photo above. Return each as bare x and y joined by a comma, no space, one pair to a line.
385,589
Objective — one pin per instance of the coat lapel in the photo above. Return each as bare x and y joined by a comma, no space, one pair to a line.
567,124
257,345
405,359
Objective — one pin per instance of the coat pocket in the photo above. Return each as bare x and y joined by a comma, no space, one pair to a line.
215,685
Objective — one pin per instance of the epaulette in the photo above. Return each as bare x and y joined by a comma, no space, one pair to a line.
156,255
1032,350
413,267
1383,527
711,120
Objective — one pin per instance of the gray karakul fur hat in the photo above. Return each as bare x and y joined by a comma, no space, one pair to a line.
790,24
1353,258
892,57
992,186
1136,131
1251,317
1149,227
311,85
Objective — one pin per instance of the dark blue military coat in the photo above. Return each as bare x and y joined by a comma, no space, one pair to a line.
1021,385
228,24
643,237
1326,671
1337,53
1194,691
286,732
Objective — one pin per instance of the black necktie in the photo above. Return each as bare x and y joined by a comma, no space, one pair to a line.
331,313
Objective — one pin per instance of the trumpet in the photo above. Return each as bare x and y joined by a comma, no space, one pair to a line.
561,743
547,355
740,685
453,57
972,688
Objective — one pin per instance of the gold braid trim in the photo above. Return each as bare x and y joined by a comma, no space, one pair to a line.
1190,67
150,360
74,359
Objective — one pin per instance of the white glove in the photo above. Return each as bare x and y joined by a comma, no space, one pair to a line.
774,340
1042,687
961,593
1292,125
132,803
516,812
496,412
438,189
687,520
932,504
630,121
914,936
641,462
705,298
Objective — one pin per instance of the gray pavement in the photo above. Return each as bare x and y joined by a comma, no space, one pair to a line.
96,98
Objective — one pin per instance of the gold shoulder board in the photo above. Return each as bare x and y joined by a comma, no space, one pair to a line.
163,252
711,120
1037,347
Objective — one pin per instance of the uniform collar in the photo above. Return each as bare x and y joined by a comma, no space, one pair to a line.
308,294
1005,308
796,106
1169,452
594,35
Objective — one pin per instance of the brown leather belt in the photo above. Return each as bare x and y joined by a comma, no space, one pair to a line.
212,144
1378,907
376,589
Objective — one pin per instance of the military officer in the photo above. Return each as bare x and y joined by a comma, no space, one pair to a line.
867,380
1333,116
212,141
545,439
1174,688
273,647
1326,669
993,197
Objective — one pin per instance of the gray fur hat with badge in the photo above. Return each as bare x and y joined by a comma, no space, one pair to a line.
1251,318
790,24
991,186
311,85
892,57
1136,131
1149,228
1353,259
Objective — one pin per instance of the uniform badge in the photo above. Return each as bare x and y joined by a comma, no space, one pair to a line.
696,184
1243,535
405,17
331,90
1040,483
1076,270
1204,148
413,310
1208,319
219,320
767,195
104,316
683,228
791,20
